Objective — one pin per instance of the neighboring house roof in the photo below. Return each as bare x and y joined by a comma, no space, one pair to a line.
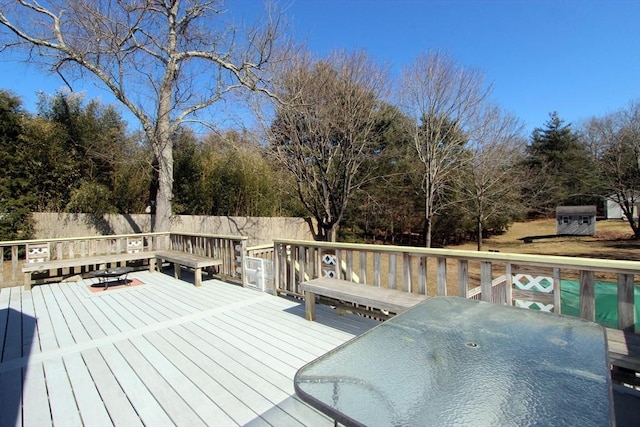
575,210
630,195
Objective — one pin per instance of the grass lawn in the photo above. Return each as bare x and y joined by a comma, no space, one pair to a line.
613,240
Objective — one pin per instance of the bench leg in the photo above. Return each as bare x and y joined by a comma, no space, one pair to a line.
198,276
176,270
152,265
310,305
27,281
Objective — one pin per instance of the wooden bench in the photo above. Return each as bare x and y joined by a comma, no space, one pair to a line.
624,356
391,300
178,259
38,260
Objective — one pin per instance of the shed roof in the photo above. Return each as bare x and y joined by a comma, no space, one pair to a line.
575,210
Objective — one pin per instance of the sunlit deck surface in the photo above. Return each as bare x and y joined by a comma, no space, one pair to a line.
166,353
163,353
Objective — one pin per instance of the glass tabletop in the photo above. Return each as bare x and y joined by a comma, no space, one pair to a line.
453,361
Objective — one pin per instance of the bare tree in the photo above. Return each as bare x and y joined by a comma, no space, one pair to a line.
615,139
444,99
324,130
491,182
165,60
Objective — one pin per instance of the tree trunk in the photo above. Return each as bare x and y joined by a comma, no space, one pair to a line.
427,232
479,234
333,233
627,210
635,226
162,140
428,225
162,144
165,194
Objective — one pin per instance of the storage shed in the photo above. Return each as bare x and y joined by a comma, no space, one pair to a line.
613,206
576,220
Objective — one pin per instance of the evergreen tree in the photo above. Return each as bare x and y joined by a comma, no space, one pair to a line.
561,171
15,199
388,204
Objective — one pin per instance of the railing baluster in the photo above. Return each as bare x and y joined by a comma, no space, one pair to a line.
277,268
407,272
626,319
13,268
14,262
508,292
291,255
301,262
349,269
463,278
587,295
376,269
393,267
485,281
442,276
363,266
422,275
557,291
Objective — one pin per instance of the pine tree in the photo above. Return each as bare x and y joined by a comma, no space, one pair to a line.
560,169
15,202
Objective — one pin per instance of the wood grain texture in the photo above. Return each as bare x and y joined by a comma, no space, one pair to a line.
370,296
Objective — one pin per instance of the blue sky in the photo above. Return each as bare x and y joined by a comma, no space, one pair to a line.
578,57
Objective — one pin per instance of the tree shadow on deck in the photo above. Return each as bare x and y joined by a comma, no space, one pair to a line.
18,331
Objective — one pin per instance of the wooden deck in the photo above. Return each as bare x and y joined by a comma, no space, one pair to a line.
161,354
166,353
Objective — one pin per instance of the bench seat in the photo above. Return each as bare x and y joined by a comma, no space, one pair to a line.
196,262
101,261
391,300
624,356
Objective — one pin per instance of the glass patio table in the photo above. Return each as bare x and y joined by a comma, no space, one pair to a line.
454,361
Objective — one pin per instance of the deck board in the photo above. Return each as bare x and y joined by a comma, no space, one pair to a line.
85,391
5,294
62,331
10,384
76,328
204,384
165,353
165,392
115,401
13,336
253,392
87,320
143,402
187,391
36,411
64,410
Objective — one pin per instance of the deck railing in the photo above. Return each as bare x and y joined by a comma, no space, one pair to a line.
484,275
228,248
261,251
